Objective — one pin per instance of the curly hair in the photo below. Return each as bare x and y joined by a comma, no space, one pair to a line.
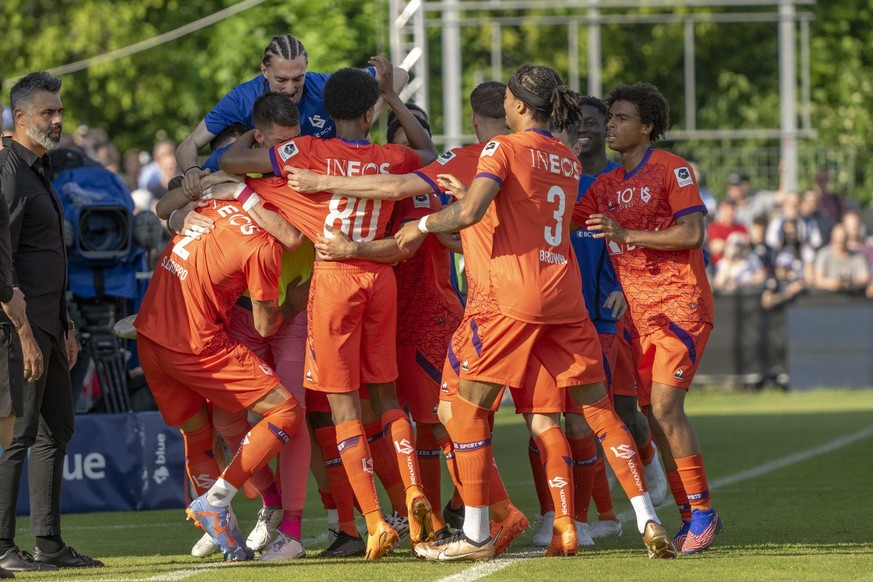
350,93
651,104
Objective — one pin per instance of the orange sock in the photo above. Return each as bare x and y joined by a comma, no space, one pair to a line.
351,442
385,465
199,459
584,452
264,441
429,464
558,466
618,446
647,451
326,498
539,477
694,481
340,489
398,428
601,494
471,436
233,429
678,491
498,498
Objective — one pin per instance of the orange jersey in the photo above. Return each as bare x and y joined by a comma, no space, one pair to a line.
462,163
196,282
662,287
428,307
521,260
361,219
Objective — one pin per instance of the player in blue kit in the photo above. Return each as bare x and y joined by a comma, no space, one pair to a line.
283,69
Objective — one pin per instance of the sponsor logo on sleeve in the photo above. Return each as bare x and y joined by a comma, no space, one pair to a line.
421,201
683,176
446,157
490,148
317,121
289,150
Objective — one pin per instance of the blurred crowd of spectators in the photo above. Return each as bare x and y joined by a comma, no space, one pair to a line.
787,242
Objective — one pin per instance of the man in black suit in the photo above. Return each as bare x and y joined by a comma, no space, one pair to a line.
44,419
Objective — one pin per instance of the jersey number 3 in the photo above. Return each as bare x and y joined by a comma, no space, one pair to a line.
553,235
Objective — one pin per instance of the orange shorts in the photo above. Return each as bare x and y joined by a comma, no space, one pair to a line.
669,356
232,377
608,346
501,350
624,374
352,317
418,384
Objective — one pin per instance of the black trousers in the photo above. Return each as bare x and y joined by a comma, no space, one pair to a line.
44,426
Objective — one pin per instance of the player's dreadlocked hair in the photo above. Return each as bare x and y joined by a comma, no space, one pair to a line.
284,46
487,99
544,92
349,93
653,107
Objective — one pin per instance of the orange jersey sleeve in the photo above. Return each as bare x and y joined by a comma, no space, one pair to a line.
196,282
460,162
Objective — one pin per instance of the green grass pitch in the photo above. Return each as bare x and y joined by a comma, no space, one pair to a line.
791,474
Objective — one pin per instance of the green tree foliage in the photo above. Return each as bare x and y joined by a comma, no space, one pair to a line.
166,90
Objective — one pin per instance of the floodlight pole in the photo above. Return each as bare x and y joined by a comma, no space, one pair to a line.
452,75
788,94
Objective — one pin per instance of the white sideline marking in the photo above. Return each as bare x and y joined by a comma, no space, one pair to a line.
487,568
171,576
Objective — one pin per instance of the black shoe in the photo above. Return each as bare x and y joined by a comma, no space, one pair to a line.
6,574
442,534
14,560
454,517
345,546
66,558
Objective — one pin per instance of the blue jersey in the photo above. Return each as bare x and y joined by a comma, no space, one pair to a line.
236,106
598,276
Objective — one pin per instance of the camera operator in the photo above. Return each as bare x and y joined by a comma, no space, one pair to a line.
44,423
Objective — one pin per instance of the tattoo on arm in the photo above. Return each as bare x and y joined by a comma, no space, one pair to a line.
446,220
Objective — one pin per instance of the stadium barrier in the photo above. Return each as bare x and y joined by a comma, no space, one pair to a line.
120,462
818,340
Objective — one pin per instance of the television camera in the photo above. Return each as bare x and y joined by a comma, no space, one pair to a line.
108,249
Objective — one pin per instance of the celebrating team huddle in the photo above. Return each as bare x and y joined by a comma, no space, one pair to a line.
309,283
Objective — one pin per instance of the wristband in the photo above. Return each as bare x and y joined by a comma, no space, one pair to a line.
191,168
251,200
422,224
240,188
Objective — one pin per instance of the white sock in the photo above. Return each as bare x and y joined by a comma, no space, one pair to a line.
645,511
221,493
332,517
476,524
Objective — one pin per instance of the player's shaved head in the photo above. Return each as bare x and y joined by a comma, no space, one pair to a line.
274,109
487,99
350,93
